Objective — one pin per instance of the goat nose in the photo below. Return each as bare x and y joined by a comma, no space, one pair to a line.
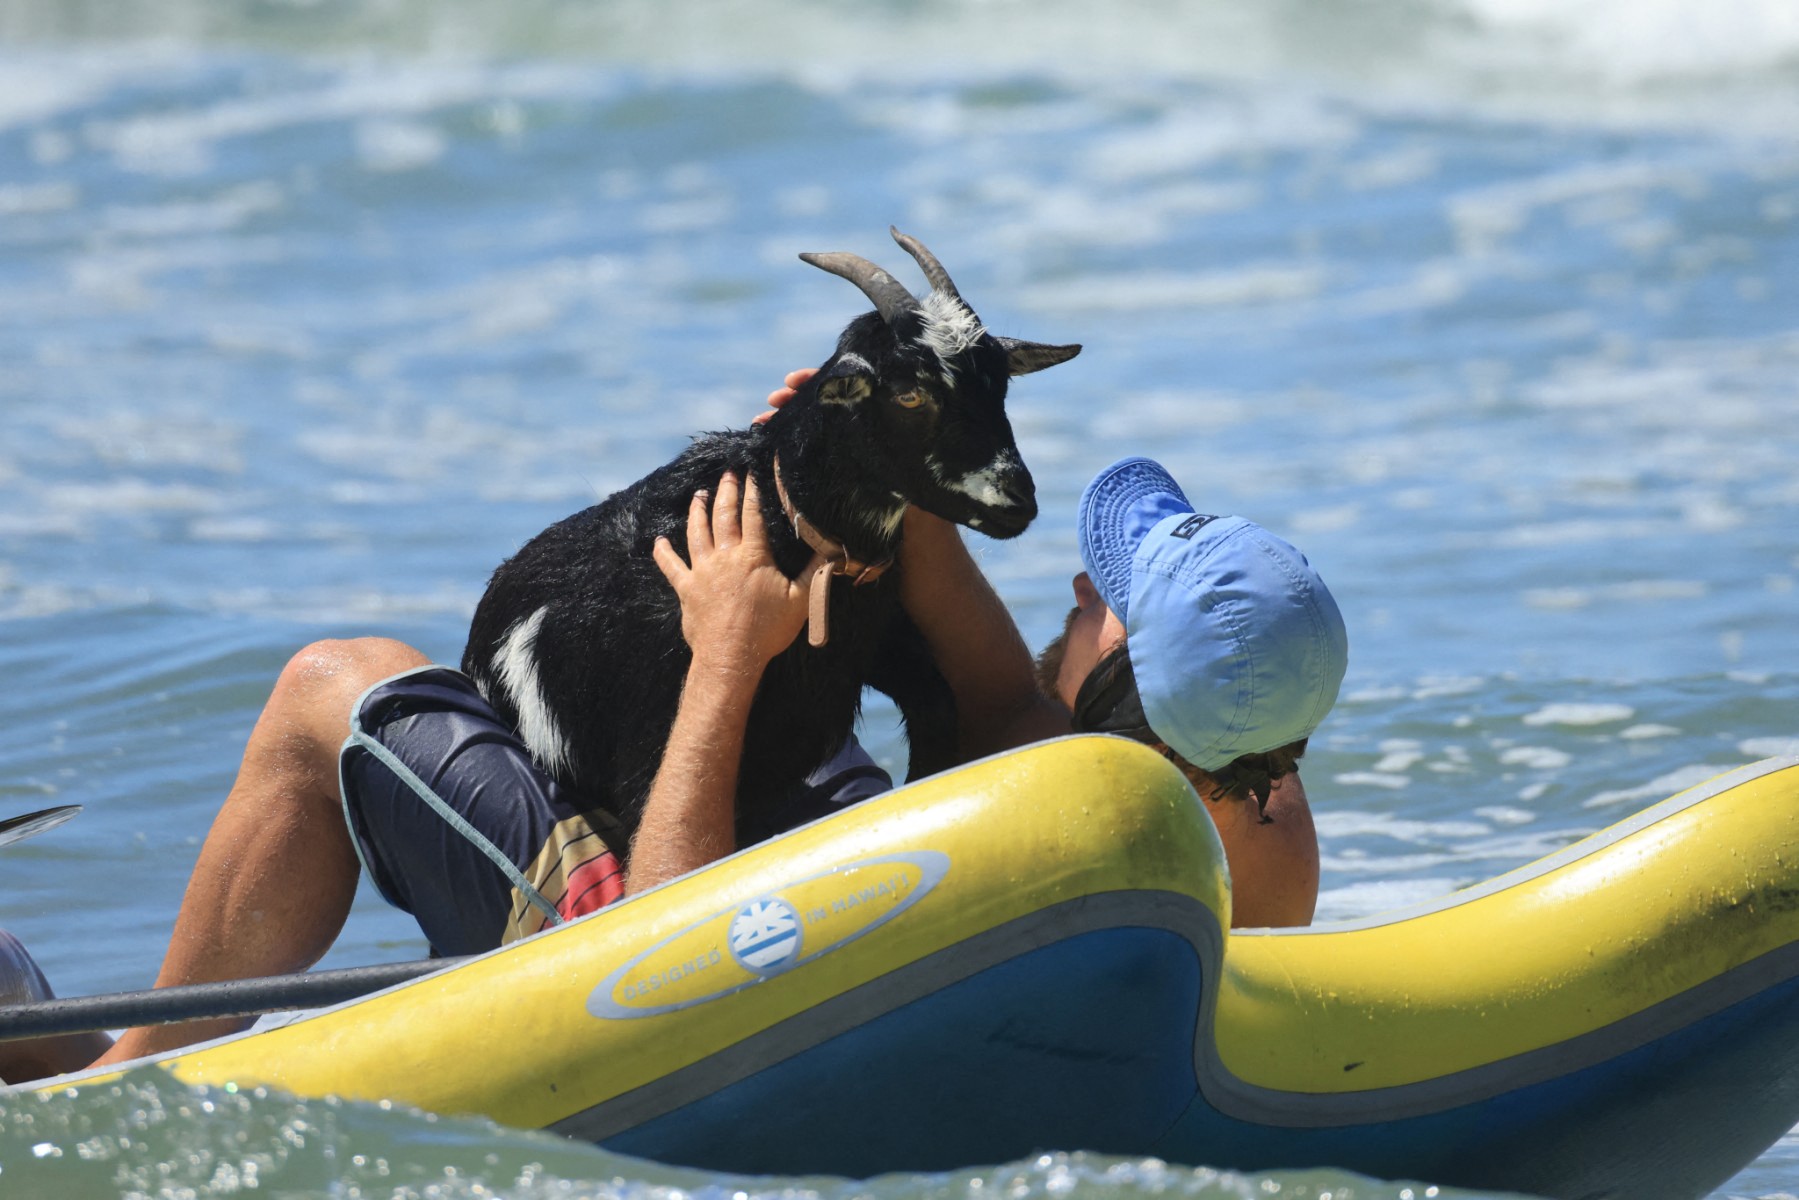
1019,490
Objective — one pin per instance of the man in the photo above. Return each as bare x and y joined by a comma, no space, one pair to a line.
1206,636
441,803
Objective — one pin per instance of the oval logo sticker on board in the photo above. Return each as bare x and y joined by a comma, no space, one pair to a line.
765,936
757,939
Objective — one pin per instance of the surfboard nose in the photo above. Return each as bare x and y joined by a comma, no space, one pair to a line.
17,829
21,980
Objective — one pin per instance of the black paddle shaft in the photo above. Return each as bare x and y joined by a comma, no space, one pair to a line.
232,998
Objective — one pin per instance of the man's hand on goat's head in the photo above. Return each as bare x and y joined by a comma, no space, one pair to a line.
738,610
794,381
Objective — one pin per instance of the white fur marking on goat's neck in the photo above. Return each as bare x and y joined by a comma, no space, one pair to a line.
982,486
515,667
949,327
888,521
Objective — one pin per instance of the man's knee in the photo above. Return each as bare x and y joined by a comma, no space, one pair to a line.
321,684
335,665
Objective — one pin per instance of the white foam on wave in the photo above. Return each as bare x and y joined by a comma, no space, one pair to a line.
1379,779
28,199
125,275
30,601
337,605
40,87
1636,590
40,524
1333,519
1769,747
1090,214
512,302
1659,788
1436,687
225,211
1399,755
1189,137
390,145
1483,217
1370,897
1157,291
1736,376
245,529
1431,284
119,496
1580,714
1536,758
1670,61
1579,531
1505,814
386,99
401,457
1392,168
1156,414
1342,824
1636,41
172,436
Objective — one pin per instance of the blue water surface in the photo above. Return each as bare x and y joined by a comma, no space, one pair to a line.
311,313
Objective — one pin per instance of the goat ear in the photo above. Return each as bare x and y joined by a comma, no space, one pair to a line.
1024,357
846,381
845,389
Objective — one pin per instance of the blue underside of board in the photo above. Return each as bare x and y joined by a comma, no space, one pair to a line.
1088,1044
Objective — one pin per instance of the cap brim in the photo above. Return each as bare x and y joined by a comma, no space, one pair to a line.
1117,511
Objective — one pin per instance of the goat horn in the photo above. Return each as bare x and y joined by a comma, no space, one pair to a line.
890,296
933,270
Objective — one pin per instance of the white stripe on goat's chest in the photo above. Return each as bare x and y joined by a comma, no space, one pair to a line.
515,666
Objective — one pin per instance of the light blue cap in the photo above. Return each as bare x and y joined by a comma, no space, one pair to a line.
1236,644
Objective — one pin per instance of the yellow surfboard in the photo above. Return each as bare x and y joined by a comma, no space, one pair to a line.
1034,952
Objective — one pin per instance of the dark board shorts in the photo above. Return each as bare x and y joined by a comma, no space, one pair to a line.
455,823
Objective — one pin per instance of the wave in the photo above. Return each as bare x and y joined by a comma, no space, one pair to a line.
148,1135
1731,62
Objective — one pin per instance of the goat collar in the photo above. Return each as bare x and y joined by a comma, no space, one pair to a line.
837,562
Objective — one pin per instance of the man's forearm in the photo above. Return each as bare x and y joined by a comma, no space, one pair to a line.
689,819
974,641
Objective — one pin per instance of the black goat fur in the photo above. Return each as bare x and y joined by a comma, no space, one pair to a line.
882,425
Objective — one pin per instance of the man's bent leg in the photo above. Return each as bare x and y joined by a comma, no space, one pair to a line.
277,872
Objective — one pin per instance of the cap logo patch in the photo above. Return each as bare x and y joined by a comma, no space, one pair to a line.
1192,525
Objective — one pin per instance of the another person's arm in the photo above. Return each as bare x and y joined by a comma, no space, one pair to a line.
1274,864
974,641
737,612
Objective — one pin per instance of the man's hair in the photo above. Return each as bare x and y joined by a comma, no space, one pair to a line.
1108,702
1251,775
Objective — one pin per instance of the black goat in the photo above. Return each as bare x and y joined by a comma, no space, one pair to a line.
578,640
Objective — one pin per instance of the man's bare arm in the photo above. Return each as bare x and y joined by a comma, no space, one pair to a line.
690,817
737,612
974,641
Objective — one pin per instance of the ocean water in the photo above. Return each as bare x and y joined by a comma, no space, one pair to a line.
312,311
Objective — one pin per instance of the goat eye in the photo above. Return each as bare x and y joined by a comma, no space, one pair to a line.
909,399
